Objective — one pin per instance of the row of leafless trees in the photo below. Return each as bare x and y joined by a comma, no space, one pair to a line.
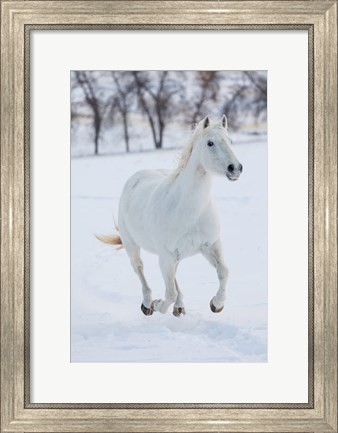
158,96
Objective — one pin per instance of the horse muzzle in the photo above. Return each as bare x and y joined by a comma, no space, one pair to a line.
233,172
232,176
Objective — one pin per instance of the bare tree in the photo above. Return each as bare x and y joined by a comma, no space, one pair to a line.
157,93
247,95
74,102
123,99
98,96
87,82
259,83
207,89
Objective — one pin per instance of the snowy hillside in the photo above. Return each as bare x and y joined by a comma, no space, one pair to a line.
107,324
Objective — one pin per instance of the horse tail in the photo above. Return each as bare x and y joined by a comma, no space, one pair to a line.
111,240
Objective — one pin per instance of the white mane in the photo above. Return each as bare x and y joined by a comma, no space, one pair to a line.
186,152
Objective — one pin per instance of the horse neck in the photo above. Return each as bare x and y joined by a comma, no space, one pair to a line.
194,183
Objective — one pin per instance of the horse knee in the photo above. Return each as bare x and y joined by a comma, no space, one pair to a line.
223,271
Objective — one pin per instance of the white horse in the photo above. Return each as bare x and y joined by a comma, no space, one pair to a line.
172,214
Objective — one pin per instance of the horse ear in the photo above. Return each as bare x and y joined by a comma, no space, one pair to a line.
224,121
206,122
193,126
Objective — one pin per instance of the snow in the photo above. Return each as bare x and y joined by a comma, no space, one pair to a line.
107,324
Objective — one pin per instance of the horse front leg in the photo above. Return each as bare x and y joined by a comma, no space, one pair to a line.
168,268
214,255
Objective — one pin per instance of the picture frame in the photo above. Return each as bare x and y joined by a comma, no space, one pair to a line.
18,19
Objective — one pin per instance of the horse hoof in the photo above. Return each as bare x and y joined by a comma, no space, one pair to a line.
215,309
146,311
177,311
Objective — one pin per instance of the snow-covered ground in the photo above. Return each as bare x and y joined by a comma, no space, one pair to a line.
107,324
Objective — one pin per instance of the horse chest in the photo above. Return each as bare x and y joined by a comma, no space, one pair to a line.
189,241
183,233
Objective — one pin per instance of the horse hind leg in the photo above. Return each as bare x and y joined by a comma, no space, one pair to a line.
178,306
133,251
146,305
168,269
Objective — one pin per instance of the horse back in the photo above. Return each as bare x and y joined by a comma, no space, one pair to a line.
143,182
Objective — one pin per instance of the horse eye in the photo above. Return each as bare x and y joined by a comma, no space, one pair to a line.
210,143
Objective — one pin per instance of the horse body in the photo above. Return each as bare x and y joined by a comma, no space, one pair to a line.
161,217
172,214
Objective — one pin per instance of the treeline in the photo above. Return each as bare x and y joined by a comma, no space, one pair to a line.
115,97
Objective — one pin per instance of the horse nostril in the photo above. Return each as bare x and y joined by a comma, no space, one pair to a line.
240,167
231,168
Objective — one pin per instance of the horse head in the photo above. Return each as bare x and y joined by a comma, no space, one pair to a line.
213,144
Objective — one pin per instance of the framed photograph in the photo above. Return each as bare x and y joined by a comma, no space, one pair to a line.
169,216
146,112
